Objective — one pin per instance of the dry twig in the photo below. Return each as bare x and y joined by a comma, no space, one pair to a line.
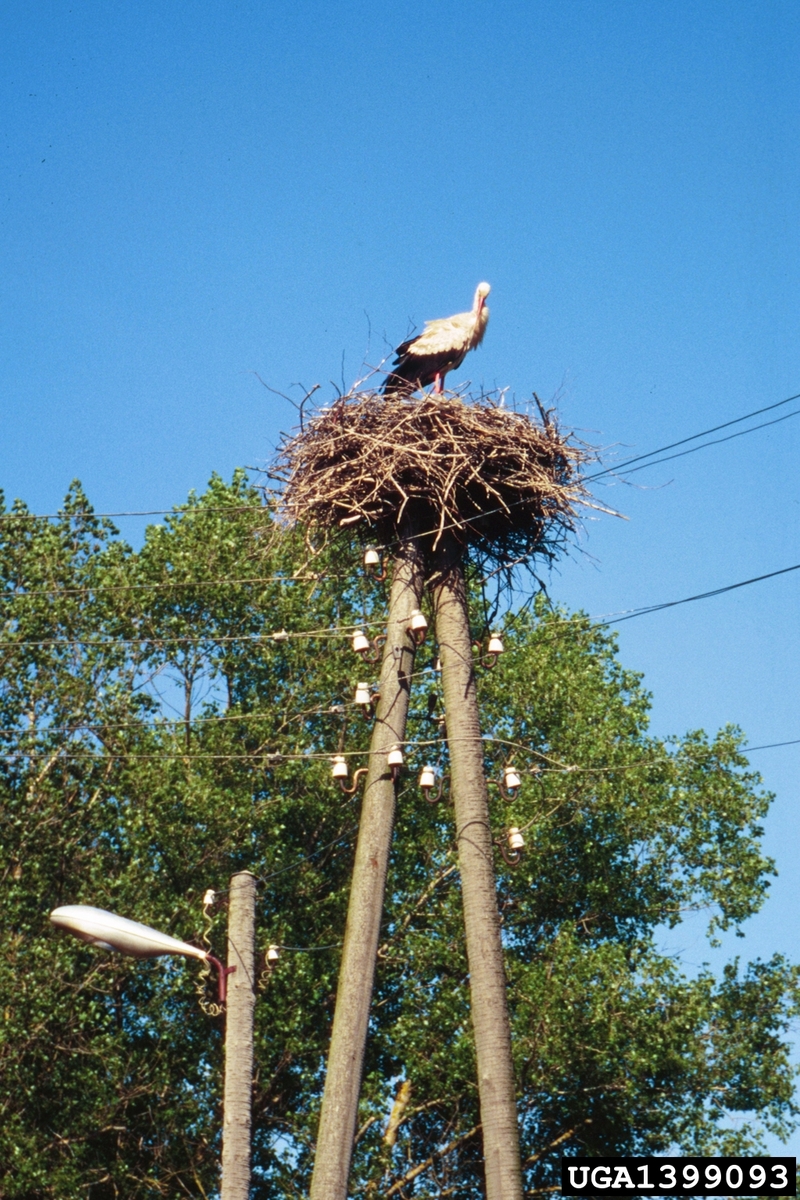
506,486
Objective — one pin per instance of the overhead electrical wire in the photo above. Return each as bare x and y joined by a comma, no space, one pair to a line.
693,449
704,433
161,756
552,765
347,835
336,710
770,746
87,514
651,608
280,635
345,631
91,588
652,455
309,949
275,757
163,723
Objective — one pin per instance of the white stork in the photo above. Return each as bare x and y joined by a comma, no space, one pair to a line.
441,347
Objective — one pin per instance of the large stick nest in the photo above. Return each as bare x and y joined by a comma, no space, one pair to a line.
506,486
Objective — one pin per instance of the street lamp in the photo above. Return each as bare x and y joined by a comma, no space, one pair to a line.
110,932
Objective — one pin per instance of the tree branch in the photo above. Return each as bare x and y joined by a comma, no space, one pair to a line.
423,1166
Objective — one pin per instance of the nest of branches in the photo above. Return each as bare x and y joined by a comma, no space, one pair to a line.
506,486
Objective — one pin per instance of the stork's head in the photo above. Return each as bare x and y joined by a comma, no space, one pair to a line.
481,292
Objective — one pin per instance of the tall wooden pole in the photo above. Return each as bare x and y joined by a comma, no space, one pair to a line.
351,1017
237,1101
478,887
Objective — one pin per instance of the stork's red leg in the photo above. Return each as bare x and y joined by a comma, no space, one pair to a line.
437,385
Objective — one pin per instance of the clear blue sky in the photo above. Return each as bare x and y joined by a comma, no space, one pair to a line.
192,193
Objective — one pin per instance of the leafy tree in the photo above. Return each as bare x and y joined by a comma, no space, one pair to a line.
156,736
617,1051
143,766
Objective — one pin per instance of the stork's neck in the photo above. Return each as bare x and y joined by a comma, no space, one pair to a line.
481,320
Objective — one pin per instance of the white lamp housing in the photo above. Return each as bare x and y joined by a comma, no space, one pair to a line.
110,932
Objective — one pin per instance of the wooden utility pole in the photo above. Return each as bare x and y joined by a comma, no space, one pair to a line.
337,1124
511,488
238,1097
487,979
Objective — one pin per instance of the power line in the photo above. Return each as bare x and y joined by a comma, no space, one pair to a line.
346,836
715,442
731,587
275,758
89,514
90,588
693,438
770,746
310,949
316,578
280,635
272,757
163,723
345,631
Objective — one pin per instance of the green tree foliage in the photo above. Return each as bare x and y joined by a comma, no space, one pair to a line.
144,706
156,736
